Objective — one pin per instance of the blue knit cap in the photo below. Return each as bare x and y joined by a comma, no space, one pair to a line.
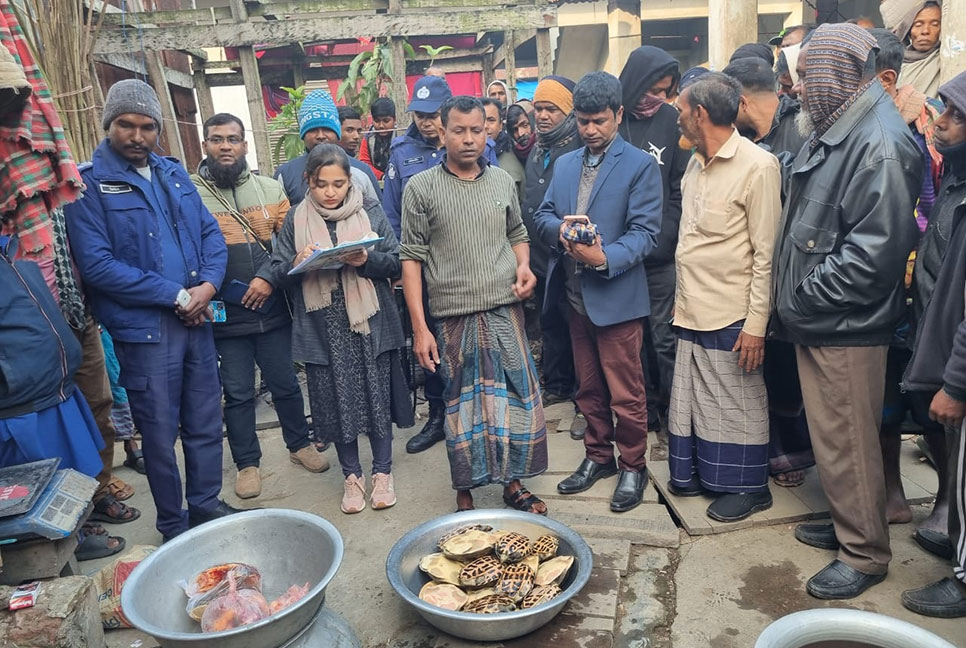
318,111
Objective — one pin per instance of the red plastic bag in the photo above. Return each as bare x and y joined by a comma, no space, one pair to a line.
237,608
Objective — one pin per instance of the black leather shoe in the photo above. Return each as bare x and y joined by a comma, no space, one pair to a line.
839,581
732,507
693,489
196,518
945,599
553,398
431,434
578,428
630,490
585,476
934,542
821,536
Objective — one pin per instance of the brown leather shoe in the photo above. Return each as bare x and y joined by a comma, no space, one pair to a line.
310,459
248,483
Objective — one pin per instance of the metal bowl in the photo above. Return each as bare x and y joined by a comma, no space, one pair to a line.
288,548
402,569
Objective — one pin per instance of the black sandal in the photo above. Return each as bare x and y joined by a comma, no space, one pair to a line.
135,461
109,509
94,545
523,500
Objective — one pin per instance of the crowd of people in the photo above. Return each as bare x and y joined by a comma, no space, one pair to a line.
745,260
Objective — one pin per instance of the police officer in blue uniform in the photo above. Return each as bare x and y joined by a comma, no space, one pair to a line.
151,257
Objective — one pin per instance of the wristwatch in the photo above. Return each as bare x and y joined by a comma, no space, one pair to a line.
602,267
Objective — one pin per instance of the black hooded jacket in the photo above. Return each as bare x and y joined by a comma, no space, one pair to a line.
657,136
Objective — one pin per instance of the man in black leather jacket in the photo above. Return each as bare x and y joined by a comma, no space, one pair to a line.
847,229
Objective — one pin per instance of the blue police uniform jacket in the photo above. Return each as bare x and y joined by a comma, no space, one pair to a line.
409,154
115,237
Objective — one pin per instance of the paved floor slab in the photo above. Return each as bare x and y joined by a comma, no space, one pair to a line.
789,504
648,524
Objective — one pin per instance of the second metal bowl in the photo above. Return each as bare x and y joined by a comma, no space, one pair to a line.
402,569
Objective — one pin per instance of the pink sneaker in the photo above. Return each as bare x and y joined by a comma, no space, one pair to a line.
383,493
354,499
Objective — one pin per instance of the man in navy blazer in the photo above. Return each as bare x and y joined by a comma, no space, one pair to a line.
618,188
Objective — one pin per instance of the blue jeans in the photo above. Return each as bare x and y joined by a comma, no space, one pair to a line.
272,351
174,390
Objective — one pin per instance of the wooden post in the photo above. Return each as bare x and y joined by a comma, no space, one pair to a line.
730,23
171,127
400,92
256,109
488,71
544,53
952,53
510,64
298,73
623,32
206,106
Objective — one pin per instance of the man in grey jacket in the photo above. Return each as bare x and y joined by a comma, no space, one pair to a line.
847,230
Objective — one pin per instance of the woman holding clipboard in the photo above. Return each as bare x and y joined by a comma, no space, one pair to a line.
346,327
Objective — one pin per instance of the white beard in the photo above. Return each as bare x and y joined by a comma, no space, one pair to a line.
804,123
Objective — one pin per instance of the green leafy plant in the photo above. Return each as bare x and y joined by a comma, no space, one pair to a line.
370,74
434,51
286,124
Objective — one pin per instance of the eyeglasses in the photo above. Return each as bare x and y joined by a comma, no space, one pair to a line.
234,140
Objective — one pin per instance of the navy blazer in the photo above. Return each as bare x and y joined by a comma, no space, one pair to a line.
626,204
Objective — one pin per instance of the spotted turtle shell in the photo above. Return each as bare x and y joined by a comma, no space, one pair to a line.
545,547
492,604
539,594
482,572
513,547
516,581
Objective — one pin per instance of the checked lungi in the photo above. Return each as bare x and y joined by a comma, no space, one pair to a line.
718,415
495,428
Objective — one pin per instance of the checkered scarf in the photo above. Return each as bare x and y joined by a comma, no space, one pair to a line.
834,61
37,173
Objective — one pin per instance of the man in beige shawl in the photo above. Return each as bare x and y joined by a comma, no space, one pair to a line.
918,25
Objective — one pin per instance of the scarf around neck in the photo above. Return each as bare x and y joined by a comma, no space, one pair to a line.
523,150
560,135
351,224
647,106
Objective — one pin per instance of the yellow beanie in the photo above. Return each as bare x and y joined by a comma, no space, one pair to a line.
556,90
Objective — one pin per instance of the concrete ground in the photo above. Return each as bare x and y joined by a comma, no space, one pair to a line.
718,590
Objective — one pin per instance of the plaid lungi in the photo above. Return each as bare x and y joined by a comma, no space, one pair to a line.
718,415
495,429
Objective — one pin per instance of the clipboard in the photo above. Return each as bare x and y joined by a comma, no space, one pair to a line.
332,258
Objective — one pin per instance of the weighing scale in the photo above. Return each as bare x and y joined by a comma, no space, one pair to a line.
41,510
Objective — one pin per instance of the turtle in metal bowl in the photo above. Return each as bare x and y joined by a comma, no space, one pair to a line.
554,570
482,572
516,581
468,546
513,547
443,595
545,547
461,530
441,569
492,604
539,594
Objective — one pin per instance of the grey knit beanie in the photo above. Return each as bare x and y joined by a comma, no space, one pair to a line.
131,96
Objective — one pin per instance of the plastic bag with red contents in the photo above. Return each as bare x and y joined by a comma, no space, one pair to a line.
237,608
208,584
